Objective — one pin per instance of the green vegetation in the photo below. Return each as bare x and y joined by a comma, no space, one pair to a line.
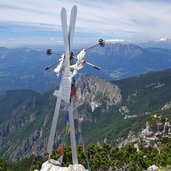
20,165
104,156
154,120
11,100
146,93
26,111
3,164
28,164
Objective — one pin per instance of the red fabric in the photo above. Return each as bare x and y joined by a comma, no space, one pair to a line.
73,91
61,149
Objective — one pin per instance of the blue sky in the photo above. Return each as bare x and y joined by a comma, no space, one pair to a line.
25,22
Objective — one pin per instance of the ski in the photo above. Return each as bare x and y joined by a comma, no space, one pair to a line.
73,17
53,127
70,107
65,36
65,86
64,92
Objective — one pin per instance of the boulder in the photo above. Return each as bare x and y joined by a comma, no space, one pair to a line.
53,165
153,168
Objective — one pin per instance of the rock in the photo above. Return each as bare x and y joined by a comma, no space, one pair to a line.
54,166
153,168
76,167
152,135
166,106
124,110
91,92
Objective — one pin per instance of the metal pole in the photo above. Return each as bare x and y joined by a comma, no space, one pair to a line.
49,66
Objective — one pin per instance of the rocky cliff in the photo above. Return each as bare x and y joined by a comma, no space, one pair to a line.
93,92
27,130
156,132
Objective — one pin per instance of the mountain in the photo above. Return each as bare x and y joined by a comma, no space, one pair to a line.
140,97
120,60
11,100
23,68
25,123
107,111
157,133
163,43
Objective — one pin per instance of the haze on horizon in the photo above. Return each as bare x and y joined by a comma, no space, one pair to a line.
38,22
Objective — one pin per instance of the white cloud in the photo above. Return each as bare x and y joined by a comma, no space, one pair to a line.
114,40
127,19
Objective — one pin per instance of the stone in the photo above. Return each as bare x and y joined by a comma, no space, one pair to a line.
153,168
54,165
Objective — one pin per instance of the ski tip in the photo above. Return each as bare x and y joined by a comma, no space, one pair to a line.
63,10
74,7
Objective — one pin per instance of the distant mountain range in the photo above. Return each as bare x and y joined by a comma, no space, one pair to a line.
120,60
24,68
163,43
108,111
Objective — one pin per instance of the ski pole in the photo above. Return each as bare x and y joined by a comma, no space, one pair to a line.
50,52
51,65
101,43
94,66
